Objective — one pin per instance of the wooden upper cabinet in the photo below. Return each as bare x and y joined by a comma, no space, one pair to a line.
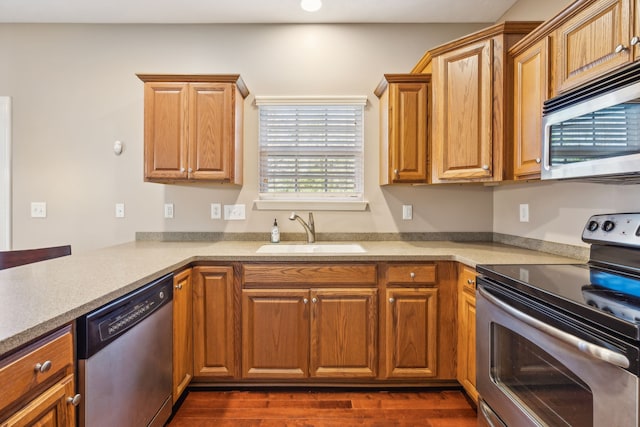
531,89
462,146
404,127
193,127
472,82
592,42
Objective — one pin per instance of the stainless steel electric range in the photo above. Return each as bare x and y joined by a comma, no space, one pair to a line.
559,345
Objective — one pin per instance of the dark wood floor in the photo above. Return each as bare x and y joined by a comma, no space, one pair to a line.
325,408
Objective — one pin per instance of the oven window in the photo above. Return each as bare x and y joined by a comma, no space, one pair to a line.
542,385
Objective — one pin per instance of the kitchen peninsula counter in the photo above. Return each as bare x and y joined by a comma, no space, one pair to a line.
38,298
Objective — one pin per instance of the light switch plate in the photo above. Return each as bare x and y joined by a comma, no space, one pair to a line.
234,212
216,211
407,212
38,209
119,210
168,210
524,212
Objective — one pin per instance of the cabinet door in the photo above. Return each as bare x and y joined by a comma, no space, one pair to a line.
211,130
411,332
165,131
462,116
466,370
275,333
182,332
467,344
343,333
408,120
592,43
213,321
49,409
531,77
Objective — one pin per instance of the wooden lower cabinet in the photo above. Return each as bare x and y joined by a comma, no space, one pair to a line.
38,383
50,409
467,331
213,322
182,332
275,333
309,333
411,332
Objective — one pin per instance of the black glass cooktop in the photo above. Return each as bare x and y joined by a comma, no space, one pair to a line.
607,298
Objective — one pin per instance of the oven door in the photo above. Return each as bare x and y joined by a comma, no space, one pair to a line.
531,372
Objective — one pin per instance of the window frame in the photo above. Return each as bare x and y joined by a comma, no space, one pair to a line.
333,201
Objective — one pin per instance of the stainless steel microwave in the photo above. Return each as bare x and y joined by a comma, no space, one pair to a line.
593,132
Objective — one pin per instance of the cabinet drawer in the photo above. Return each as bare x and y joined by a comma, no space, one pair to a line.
309,274
467,279
408,274
21,373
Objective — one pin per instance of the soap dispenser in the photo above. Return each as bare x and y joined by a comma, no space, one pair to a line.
275,232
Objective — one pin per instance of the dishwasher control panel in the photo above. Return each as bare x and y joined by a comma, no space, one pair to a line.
100,327
119,322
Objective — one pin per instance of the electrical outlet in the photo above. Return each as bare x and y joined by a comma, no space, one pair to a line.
407,212
234,212
524,213
38,209
168,210
119,210
216,211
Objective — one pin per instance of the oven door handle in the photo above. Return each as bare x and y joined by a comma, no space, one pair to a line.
592,350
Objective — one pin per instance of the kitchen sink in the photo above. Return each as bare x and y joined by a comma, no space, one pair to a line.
316,248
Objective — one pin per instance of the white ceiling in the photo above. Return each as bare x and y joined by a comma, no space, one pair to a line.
250,11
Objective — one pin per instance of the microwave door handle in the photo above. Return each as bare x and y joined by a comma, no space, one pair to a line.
592,350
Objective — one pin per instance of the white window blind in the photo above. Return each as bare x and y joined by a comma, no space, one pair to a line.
311,148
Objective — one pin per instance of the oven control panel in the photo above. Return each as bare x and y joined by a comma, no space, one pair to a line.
618,229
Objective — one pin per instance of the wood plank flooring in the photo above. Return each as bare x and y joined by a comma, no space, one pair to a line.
288,408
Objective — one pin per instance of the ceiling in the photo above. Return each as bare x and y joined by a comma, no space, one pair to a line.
250,11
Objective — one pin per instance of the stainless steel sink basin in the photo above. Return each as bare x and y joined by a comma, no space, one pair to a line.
316,248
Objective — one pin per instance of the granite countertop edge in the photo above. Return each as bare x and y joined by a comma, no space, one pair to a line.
39,298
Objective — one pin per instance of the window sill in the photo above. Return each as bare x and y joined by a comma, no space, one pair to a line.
309,205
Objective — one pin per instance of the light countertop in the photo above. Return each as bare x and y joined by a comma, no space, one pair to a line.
38,298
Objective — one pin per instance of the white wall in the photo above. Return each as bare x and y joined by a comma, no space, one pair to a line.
75,92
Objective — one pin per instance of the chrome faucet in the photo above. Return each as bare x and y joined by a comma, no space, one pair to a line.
309,228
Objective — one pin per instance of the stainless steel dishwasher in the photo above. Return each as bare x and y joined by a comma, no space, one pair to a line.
125,359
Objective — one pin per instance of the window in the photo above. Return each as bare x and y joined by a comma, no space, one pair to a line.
311,148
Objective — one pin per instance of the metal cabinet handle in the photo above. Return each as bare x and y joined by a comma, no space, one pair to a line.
75,400
314,300
470,282
635,40
190,170
305,300
178,286
392,300
620,48
593,350
538,160
412,275
396,173
43,367
485,167
182,170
